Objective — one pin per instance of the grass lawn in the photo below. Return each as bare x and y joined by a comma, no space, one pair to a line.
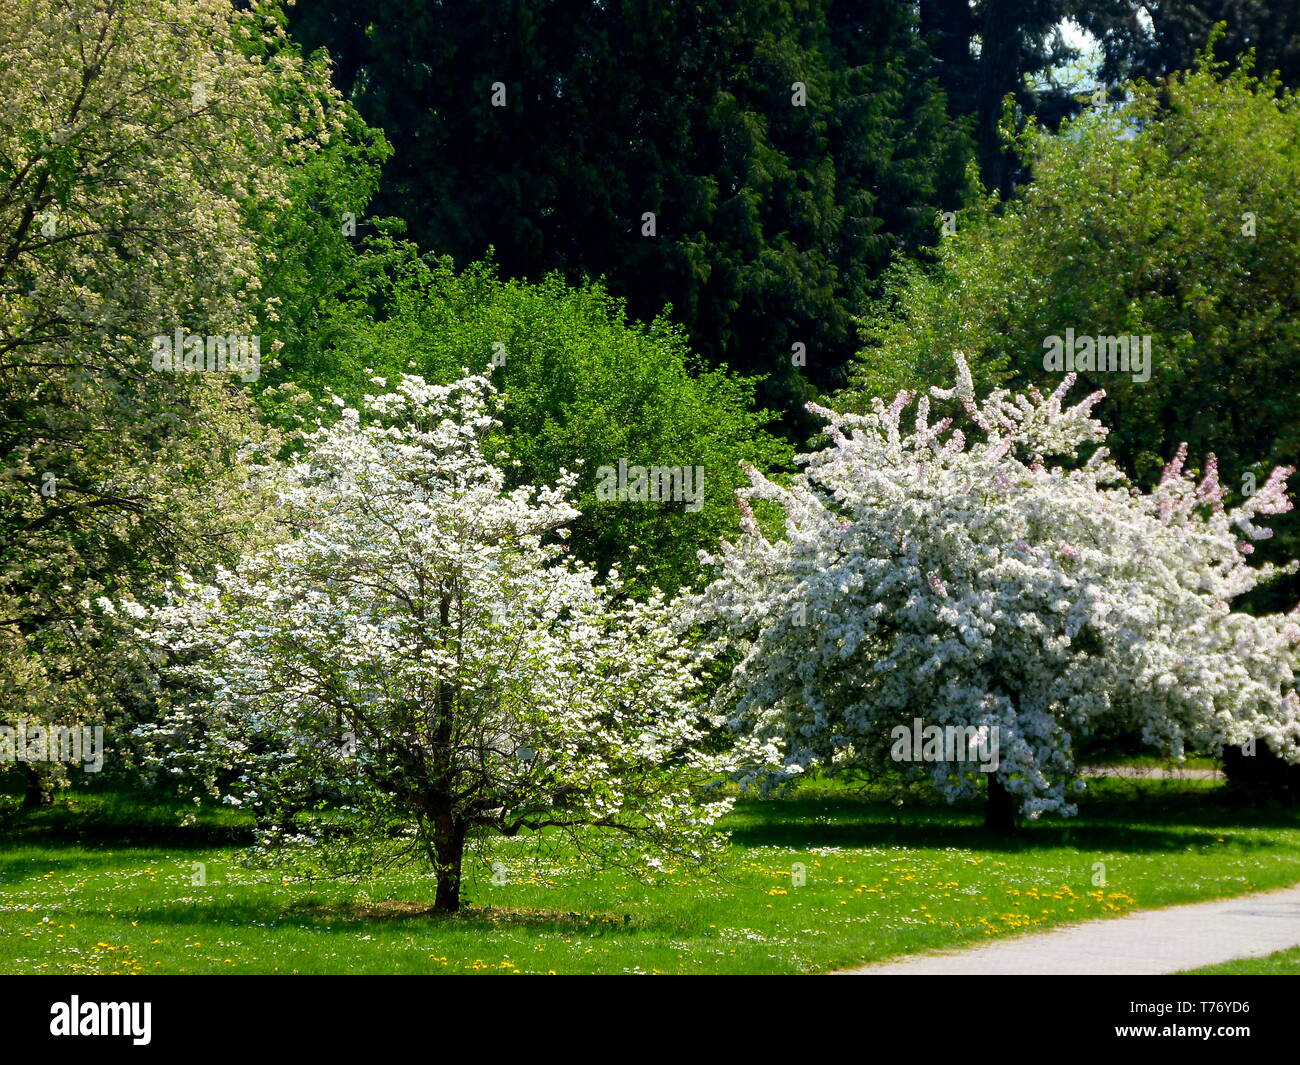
1283,963
109,885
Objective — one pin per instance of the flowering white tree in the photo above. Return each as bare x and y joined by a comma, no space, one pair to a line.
1008,581
418,661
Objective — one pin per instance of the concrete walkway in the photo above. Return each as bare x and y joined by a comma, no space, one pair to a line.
1142,943
1131,772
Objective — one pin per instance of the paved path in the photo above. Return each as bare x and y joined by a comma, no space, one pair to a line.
1142,943
1133,772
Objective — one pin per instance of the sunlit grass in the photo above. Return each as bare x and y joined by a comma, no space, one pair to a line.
1283,963
877,881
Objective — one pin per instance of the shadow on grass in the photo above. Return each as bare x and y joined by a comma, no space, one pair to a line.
124,821
470,917
350,917
1111,822
1115,815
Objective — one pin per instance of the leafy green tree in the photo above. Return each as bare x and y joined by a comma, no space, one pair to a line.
582,384
1174,217
137,140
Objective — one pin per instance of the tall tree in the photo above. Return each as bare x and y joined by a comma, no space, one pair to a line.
137,139
1153,39
1173,219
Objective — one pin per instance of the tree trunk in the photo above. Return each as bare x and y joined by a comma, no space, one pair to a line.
34,795
1000,36
449,852
1000,807
948,26
448,829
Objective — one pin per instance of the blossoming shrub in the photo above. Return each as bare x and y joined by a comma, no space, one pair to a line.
418,660
1009,581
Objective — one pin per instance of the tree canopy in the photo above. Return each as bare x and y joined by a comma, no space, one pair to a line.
1171,217
785,149
1012,582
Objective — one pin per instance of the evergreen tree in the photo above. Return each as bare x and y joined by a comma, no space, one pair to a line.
754,165
1151,40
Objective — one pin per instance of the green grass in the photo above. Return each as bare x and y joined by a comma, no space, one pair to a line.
1283,963
108,885
1150,761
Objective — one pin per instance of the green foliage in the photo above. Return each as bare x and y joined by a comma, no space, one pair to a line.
135,139
583,384
772,218
311,268
878,881
1137,222
319,253
1179,29
988,50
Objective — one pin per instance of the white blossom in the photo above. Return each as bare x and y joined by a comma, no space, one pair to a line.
413,629
1009,580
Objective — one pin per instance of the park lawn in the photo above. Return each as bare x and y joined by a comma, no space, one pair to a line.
109,886
1283,963
1151,761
